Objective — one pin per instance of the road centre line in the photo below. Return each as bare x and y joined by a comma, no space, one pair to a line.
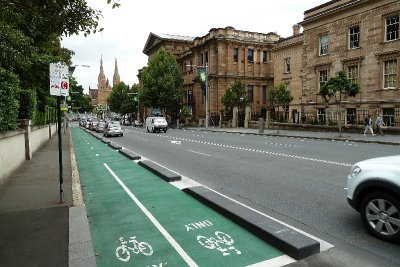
199,153
260,151
162,230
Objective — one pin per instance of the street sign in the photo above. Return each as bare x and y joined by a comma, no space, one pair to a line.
59,80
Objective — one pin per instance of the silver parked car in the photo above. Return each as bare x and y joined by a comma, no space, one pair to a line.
100,126
113,128
373,189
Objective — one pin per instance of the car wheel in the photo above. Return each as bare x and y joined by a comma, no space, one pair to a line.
165,130
122,134
152,130
380,213
147,128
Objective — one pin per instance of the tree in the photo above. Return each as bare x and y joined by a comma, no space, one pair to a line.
30,33
123,100
280,95
339,87
79,101
235,96
162,83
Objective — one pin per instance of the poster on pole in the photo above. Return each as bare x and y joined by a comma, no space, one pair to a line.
59,79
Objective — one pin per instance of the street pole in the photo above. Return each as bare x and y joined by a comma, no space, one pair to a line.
207,114
60,159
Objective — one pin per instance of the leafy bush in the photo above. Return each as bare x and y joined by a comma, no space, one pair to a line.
27,100
9,86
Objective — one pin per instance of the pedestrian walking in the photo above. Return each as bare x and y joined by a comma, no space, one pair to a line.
379,123
368,125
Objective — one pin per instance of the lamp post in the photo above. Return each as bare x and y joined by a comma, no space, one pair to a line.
203,79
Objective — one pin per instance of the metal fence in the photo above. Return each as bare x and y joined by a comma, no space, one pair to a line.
391,117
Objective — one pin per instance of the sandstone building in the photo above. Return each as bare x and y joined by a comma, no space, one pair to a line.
229,54
360,37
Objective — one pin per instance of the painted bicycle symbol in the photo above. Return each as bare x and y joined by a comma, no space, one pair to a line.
123,252
221,242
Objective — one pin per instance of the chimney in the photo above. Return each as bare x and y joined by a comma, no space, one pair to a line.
296,29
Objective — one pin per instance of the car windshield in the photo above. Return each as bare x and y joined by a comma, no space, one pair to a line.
114,124
159,120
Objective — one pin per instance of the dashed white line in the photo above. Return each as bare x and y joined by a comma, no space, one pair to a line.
199,153
162,230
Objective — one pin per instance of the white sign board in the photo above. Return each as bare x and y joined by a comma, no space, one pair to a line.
59,79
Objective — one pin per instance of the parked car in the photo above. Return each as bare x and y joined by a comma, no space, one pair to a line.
373,189
113,128
154,124
92,125
100,126
137,123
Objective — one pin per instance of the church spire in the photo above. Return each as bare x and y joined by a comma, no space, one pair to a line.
102,76
116,78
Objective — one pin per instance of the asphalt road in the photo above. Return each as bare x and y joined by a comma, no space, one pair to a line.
300,182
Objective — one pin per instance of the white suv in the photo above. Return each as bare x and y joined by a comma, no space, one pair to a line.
373,189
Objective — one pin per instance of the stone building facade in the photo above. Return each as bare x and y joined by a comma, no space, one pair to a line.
360,37
229,54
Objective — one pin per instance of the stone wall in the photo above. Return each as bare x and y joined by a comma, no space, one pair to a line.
18,146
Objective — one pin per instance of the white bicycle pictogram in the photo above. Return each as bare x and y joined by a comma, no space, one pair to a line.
123,252
222,242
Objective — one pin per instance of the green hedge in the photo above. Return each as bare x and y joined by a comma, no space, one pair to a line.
9,104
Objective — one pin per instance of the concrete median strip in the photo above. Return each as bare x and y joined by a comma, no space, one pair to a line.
129,154
114,146
165,174
291,242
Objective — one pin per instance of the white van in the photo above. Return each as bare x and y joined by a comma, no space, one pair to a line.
156,124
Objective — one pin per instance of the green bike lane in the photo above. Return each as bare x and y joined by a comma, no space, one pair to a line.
137,219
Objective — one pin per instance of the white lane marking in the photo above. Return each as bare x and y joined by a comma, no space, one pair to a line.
162,230
263,152
274,262
176,142
199,153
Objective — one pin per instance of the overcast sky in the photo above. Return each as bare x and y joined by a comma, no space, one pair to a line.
127,28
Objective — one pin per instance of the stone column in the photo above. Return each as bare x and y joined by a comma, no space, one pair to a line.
220,119
235,117
267,120
247,116
26,125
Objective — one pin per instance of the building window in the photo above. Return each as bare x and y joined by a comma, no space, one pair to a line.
323,77
250,55
388,116
250,89
235,54
390,74
265,56
264,93
287,65
354,37
202,59
206,55
392,28
352,73
323,45
351,115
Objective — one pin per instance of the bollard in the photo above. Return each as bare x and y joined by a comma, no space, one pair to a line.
260,125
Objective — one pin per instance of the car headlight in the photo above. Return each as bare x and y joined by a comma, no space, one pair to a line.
355,170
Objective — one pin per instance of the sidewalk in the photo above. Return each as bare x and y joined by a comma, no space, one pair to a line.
37,230
34,226
354,137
